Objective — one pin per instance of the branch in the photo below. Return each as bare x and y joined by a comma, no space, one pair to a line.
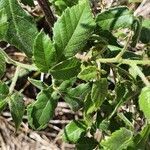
44,4
15,63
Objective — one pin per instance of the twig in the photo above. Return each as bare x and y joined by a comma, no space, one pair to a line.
15,63
140,73
14,80
44,4
119,56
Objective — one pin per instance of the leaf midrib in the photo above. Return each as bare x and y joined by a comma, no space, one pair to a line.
65,48
14,21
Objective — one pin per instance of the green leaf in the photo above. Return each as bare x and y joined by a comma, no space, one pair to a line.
119,140
73,131
141,139
114,18
94,100
3,23
2,65
21,27
75,96
39,84
99,92
73,29
42,110
66,69
3,104
144,102
17,108
136,27
65,85
44,52
89,106
4,90
145,32
89,73
86,143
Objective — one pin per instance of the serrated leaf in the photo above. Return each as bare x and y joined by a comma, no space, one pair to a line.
73,29
141,139
89,106
145,32
17,108
44,52
65,85
73,131
88,73
38,83
66,69
2,65
75,96
86,143
3,23
119,140
3,104
114,18
42,110
144,102
4,90
99,92
21,28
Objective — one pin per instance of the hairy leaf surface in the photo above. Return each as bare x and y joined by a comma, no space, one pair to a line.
2,65
144,102
17,108
73,29
119,140
44,52
114,18
21,28
73,131
42,110
66,69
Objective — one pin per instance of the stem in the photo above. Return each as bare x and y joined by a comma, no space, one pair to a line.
137,62
44,4
15,63
42,77
124,61
119,56
140,73
14,80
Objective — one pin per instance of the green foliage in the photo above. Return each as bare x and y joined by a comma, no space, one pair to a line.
112,19
102,82
75,96
3,24
42,110
89,73
144,101
86,143
73,29
66,69
21,29
2,65
99,92
44,52
17,108
73,131
119,140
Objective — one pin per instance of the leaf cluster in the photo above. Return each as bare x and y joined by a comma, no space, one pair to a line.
90,70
